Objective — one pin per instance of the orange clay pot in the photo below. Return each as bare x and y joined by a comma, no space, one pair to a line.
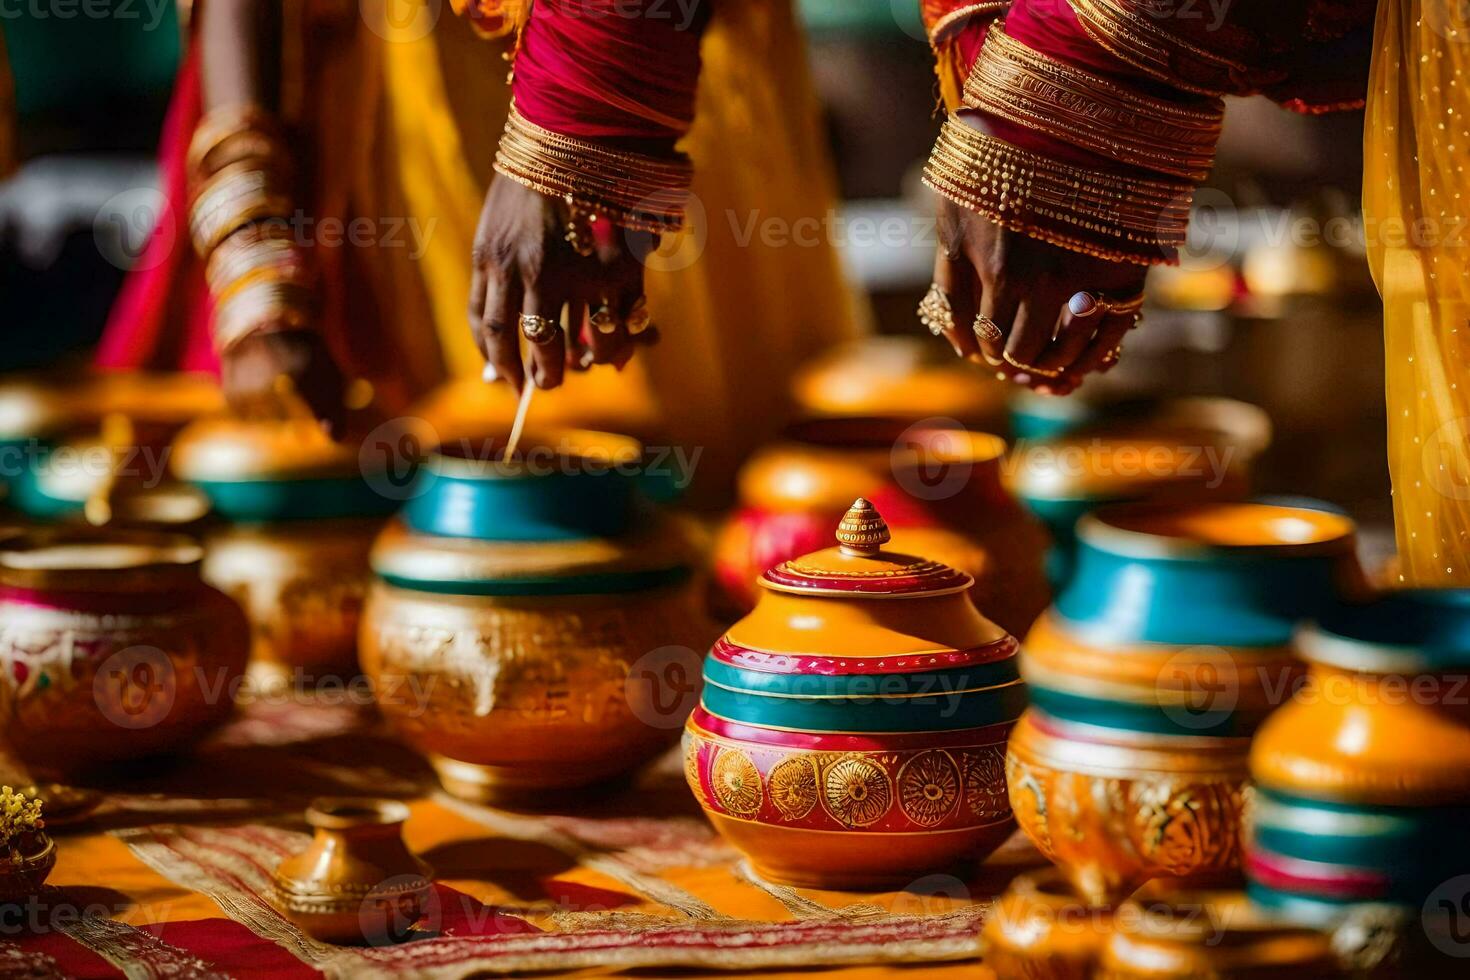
1041,930
851,729
941,490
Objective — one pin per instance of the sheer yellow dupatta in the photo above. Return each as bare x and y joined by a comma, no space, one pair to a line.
1416,203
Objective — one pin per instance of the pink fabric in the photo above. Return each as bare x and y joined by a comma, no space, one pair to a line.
160,319
611,68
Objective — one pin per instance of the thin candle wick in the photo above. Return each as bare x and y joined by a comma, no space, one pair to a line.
522,410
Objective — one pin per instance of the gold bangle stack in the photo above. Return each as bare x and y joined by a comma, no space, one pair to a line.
633,190
1138,39
258,274
1015,82
1110,216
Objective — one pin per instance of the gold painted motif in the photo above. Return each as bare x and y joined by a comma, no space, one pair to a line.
929,787
985,781
856,791
792,786
736,782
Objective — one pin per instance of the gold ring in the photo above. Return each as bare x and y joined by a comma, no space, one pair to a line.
638,317
1132,304
935,311
1030,368
987,329
602,320
539,329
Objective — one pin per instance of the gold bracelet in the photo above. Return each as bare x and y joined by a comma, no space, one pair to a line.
262,307
229,133
1110,216
1137,40
1012,81
232,199
633,190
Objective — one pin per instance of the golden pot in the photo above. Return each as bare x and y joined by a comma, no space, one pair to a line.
298,515
303,588
535,626
111,647
356,882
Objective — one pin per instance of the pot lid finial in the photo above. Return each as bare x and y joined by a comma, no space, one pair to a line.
862,532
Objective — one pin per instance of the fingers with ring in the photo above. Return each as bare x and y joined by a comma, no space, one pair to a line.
603,321
935,313
539,330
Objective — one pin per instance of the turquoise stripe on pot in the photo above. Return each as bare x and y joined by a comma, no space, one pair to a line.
299,499
488,502
609,584
1153,719
946,712
859,685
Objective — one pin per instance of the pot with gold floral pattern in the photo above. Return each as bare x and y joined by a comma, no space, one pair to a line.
534,622
297,514
111,647
1166,651
852,728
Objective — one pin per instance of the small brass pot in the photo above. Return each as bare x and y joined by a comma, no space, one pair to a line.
357,882
21,881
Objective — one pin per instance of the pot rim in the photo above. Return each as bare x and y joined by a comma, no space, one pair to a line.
55,558
1121,530
347,812
612,450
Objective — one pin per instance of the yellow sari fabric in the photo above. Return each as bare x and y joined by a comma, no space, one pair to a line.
1416,199
737,312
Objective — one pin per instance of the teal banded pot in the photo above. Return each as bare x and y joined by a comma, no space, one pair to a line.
1176,450
1363,780
1162,657
295,516
535,649
851,730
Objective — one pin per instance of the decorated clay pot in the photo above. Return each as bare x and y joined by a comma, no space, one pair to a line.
1363,779
940,488
1041,929
852,727
296,517
1176,451
356,882
112,647
1162,656
906,379
1191,935
521,609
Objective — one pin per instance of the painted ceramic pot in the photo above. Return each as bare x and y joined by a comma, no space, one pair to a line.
1041,929
1167,650
520,612
112,647
1218,935
1174,450
940,488
906,379
1363,779
356,882
21,880
297,514
852,728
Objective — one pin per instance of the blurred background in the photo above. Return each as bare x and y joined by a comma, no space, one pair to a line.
1272,305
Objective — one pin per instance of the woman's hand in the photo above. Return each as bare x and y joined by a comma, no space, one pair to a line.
265,368
1028,291
524,265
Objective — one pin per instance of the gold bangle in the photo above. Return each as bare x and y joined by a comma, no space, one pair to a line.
1012,81
245,128
233,198
637,191
1119,218
263,306
1136,40
1040,372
